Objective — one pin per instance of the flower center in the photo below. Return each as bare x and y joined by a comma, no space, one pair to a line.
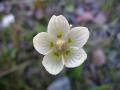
61,45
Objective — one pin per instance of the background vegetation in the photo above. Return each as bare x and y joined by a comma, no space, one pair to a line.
20,64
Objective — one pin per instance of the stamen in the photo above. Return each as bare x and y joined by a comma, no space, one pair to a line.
60,45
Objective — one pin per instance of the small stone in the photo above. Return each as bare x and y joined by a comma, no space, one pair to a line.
100,19
62,83
98,57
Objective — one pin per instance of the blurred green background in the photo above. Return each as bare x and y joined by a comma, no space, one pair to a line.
20,63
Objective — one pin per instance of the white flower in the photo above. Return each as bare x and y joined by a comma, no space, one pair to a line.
61,45
7,20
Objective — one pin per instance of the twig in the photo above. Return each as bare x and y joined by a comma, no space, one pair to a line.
15,68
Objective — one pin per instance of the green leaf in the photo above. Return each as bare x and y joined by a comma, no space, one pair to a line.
40,28
75,73
70,8
102,87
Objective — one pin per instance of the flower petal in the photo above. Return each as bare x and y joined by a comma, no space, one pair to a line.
58,26
74,57
43,42
53,62
78,36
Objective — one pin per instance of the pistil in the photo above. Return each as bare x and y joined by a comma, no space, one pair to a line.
61,45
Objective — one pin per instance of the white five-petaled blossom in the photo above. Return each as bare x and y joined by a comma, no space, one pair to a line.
61,45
